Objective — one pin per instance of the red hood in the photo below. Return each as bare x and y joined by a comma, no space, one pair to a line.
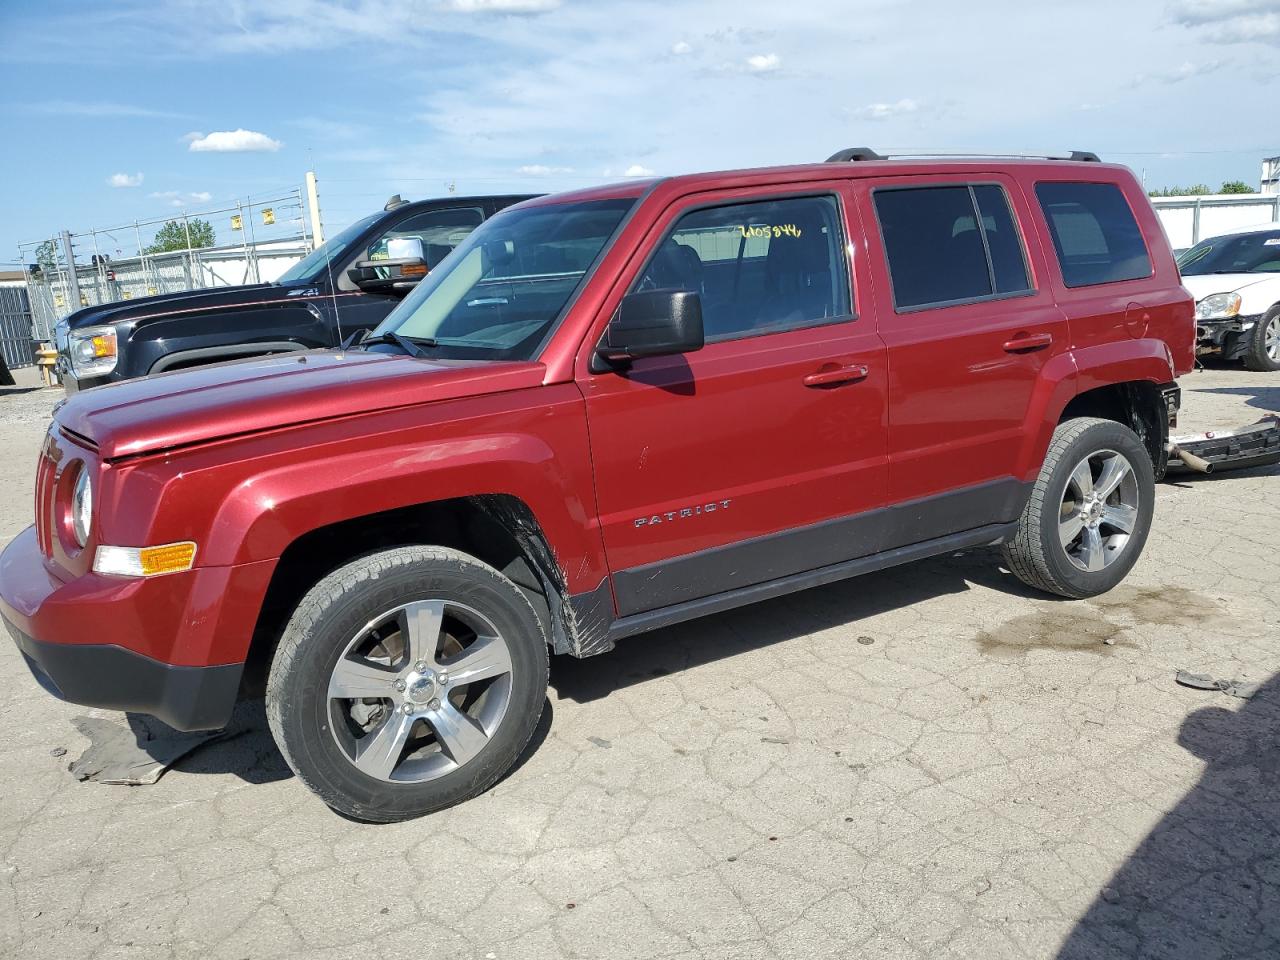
245,396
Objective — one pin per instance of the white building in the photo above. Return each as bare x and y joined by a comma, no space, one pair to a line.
1271,175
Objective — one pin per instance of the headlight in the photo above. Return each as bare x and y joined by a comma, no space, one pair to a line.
1218,306
82,506
92,351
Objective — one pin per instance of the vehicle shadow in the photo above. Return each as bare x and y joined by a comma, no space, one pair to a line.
1205,883
247,749
724,635
1262,398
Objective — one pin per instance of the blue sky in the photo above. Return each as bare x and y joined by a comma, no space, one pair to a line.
114,111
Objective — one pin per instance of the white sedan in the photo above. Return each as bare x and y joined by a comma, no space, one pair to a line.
1235,279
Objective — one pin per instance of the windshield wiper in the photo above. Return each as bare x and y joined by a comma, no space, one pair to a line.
414,346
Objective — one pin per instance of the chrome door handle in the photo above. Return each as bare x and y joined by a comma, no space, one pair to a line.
836,375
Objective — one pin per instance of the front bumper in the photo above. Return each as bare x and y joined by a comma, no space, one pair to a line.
172,647
1230,338
73,384
111,677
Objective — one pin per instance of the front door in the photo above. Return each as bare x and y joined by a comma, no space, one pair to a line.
752,458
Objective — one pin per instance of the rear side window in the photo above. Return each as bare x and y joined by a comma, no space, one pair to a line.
952,244
1094,233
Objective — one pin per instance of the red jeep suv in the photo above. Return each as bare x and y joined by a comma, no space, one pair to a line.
605,412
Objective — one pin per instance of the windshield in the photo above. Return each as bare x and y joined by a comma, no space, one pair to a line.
500,293
1242,253
314,262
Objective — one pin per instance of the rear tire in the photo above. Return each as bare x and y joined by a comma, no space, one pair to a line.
1263,352
407,681
1087,519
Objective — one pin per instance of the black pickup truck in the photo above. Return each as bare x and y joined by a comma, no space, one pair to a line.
347,284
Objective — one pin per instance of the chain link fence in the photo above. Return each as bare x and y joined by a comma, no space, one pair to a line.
101,277
152,275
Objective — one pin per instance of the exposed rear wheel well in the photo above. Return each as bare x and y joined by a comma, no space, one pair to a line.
497,529
1139,405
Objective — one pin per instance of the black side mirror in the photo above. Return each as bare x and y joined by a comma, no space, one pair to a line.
654,323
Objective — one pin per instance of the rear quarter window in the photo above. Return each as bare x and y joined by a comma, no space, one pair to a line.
1095,236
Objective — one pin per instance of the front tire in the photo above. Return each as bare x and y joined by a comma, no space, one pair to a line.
1087,519
407,681
1263,351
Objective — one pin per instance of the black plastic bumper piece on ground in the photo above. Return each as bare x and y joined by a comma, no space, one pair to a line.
1255,445
113,678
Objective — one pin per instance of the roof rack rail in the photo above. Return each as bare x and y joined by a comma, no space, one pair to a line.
854,153
851,154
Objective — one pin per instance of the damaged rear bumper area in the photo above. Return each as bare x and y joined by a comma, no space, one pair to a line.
1251,446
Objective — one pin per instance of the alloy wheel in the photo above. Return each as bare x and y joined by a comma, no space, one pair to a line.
419,691
1099,510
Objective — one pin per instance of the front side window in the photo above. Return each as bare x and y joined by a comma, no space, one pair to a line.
1243,253
1094,233
320,260
506,285
952,244
759,267
439,230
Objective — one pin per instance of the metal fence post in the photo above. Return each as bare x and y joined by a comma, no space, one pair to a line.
73,292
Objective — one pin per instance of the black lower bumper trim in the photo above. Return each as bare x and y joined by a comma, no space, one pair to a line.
113,678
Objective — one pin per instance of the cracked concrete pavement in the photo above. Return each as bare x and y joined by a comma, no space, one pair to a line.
931,762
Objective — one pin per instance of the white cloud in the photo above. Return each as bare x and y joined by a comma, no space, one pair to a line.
501,6
1184,71
176,198
885,111
764,63
636,170
1231,21
541,170
232,141
125,180
681,48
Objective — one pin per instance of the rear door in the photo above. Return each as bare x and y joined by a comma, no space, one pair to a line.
969,326
1111,285
757,456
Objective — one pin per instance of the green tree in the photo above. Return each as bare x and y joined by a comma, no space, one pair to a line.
173,236
1195,190
1236,186
47,256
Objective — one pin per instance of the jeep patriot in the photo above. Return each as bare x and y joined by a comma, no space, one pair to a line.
605,412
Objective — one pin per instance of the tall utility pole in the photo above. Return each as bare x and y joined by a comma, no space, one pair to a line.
313,202
72,280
